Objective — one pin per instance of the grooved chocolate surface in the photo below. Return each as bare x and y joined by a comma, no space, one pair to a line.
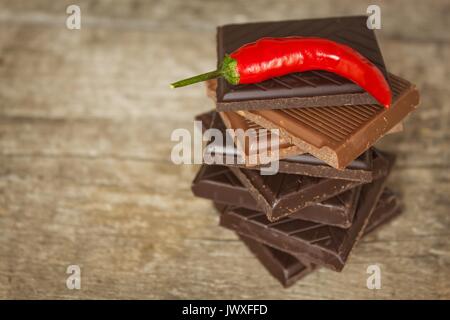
334,124
337,135
219,184
319,243
248,145
288,269
306,89
234,121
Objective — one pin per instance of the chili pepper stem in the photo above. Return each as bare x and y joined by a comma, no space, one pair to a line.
228,70
198,78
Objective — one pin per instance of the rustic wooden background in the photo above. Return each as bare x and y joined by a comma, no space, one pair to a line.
85,170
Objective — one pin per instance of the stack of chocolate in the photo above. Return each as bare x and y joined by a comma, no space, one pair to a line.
330,186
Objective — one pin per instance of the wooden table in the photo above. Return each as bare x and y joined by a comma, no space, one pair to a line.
85,171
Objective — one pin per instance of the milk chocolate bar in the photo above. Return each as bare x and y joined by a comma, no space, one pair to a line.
244,148
250,143
240,152
287,269
219,184
211,88
319,243
305,164
298,90
337,135
302,163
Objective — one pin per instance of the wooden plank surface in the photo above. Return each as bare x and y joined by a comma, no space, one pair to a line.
85,171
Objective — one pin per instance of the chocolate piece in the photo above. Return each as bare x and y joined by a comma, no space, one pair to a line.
388,207
284,267
287,269
319,243
306,89
244,150
358,170
220,185
397,128
290,165
249,144
337,135
284,194
211,86
206,118
337,211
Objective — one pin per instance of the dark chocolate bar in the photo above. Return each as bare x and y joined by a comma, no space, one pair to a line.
306,89
219,184
284,194
319,243
388,207
287,269
338,135
206,118
284,267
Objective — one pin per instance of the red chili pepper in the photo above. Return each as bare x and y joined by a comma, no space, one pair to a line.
274,57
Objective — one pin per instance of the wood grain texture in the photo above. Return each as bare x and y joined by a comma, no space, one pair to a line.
85,171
